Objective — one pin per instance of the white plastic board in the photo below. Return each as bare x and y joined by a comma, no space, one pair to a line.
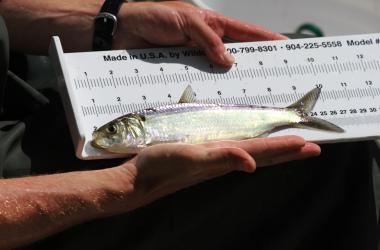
99,86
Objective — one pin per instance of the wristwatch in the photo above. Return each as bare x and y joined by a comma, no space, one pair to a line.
105,25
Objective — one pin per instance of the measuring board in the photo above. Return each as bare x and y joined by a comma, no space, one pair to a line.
97,87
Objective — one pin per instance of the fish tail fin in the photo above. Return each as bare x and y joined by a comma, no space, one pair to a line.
304,105
313,122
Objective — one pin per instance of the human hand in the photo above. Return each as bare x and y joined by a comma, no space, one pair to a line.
176,23
166,168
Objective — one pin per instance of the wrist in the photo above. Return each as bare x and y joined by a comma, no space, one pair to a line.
116,192
127,26
106,23
142,185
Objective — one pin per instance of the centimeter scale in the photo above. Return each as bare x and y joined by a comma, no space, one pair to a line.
97,87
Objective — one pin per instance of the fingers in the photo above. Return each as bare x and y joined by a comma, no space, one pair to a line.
269,151
309,150
263,146
206,38
266,147
240,31
207,34
230,159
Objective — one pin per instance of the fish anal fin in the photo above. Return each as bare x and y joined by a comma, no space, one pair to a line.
263,135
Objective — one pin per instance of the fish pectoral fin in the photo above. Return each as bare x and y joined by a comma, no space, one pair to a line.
307,102
188,96
164,142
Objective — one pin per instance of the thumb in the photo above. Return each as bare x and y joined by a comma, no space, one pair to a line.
230,159
209,42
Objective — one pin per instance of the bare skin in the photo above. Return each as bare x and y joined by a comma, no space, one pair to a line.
164,23
184,24
33,208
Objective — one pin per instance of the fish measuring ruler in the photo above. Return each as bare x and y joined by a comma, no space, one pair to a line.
97,87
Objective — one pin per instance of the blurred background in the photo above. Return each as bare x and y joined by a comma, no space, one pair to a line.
333,17
314,17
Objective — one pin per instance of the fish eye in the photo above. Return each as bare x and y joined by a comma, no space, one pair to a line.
111,129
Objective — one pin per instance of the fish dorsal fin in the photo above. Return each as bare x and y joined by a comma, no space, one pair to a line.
188,96
307,102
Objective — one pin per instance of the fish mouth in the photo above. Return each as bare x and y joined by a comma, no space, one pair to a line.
96,145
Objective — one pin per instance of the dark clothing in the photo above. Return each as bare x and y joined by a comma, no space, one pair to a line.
321,203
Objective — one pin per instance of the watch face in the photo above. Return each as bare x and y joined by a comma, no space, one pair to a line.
105,28
105,24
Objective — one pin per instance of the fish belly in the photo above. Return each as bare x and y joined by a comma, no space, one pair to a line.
215,124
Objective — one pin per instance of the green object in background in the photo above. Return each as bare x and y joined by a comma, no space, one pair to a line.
311,28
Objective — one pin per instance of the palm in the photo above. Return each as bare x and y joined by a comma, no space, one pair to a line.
166,168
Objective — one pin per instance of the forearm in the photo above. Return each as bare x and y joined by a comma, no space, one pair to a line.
31,23
33,208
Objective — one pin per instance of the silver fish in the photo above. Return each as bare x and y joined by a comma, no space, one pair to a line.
192,122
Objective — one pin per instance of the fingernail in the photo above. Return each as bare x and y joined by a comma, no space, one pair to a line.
228,58
248,166
313,148
282,37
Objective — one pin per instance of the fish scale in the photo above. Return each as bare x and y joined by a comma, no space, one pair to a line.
197,123
191,122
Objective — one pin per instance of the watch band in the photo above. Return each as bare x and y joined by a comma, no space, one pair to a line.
105,25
